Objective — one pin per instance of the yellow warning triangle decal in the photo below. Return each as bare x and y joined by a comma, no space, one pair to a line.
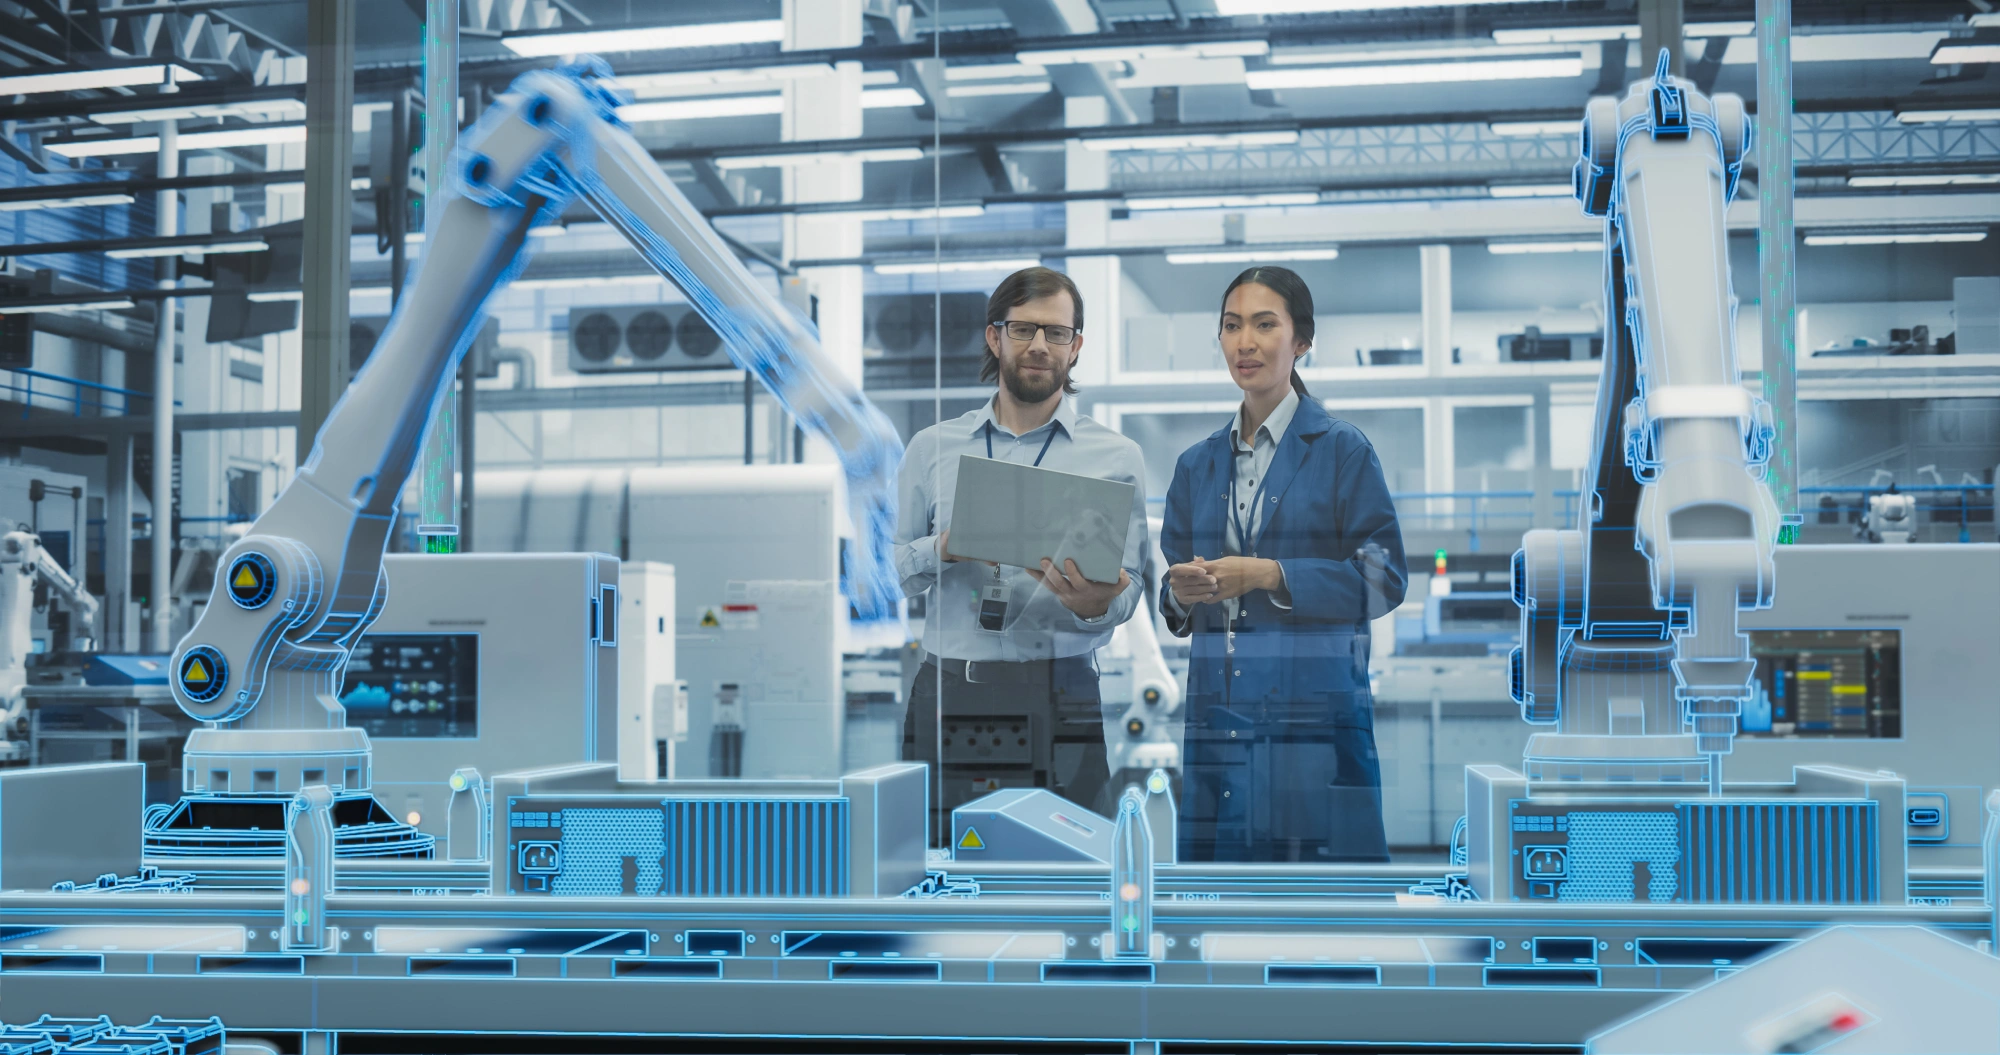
245,577
970,840
197,671
708,619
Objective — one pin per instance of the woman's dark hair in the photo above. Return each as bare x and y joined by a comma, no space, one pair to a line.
1287,284
1029,283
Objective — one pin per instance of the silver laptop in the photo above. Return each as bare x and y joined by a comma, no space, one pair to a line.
1015,514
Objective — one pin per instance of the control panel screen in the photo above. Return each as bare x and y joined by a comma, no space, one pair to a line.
414,686
1826,683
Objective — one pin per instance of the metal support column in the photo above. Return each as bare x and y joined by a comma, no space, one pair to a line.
121,634
160,552
1660,26
329,208
438,508
467,407
1777,264
1543,505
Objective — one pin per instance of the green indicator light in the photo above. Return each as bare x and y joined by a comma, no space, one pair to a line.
1131,923
301,917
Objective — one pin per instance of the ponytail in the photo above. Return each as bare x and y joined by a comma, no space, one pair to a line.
1299,383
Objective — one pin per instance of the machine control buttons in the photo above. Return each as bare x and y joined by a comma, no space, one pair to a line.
203,673
252,580
1544,862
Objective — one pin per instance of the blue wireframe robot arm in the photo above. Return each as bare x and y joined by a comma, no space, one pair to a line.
307,580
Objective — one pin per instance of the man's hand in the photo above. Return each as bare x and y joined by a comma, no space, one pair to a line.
1078,594
1236,576
1191,583
944,551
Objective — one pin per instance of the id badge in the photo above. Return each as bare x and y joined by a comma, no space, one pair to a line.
993,599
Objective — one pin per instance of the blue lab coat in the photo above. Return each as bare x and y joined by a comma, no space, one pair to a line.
1280,761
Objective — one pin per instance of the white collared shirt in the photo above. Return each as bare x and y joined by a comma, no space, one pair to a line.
1037,626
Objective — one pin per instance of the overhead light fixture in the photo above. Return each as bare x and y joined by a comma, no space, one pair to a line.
1516,248
276,296
993,71
693,109
1223,201
291,109
1416,73
1961,51
1353,57
66,203
1192,142
234,245
1707,30
52,309
84,80
882,98
1251,256
253,136
926,266
645,38
1565,35
943,212
1531,190
1137,52
1933,117
586,282
818,157
1896,238
548,230
1962,179
878,78
1533,128
972,91
1314,7
667,82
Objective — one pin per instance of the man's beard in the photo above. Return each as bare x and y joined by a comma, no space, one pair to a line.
1028,389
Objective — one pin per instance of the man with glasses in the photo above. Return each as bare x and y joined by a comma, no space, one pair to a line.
1009,650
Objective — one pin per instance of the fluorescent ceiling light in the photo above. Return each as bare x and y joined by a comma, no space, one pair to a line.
1191,142
1416,73
66,203
1251,256
1309,7
276,295
648,38
586,282
1353,57
1531,190
1513,248
239,245
84,80
947,212
668,82
89,305
1224,201
1931,117
1136,52
760,161
877,78
290,109
1533,128
257,135
993,71
1565,35
880,98
1962,52
692,109
924,267
1896,237
969,91
1705,30
1940,180
548,230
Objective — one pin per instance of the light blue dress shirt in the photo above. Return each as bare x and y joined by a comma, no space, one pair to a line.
1037,626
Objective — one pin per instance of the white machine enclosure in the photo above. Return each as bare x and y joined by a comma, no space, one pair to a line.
645,667
547,676
756,557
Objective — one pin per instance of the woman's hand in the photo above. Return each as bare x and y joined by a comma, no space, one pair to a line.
1236,576
1191,583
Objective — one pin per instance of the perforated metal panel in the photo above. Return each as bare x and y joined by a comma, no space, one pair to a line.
1604,846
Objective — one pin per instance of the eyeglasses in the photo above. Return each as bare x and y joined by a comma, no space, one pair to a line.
1025,331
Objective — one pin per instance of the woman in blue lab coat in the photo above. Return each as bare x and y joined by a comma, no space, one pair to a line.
1283,544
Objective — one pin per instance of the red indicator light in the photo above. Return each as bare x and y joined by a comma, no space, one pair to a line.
1845,1022
1440,563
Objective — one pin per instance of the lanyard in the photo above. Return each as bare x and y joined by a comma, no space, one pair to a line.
1244,541
1038,458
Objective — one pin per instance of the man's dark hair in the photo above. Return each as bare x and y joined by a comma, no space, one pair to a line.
1029,283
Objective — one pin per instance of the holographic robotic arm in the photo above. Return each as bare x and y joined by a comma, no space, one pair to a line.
1678,474
292,596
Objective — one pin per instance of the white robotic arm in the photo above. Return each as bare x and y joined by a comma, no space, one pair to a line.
23,563
291,597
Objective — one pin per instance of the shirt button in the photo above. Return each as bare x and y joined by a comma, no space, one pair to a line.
1239,672
1226,794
